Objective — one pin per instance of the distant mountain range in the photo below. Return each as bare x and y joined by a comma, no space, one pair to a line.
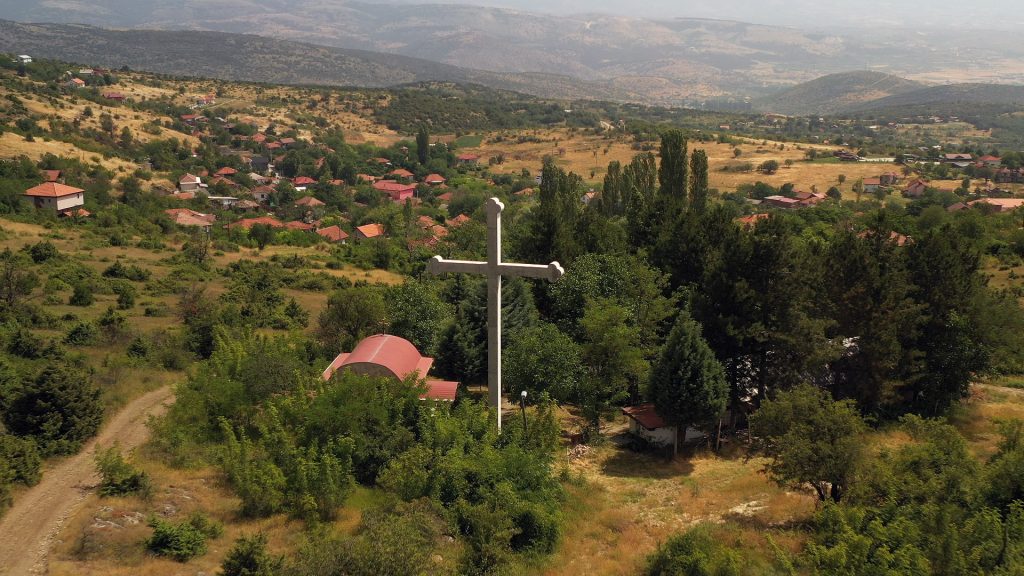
661,62
249,58
867,92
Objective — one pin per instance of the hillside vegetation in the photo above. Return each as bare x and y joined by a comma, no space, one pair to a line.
835,93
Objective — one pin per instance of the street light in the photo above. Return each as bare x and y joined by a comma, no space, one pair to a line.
522,406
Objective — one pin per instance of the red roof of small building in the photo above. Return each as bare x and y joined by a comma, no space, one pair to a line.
753,219
434,179
366,178
186,217
226,171
247,223
458,221
52,190
392,186
51,175
309,201
183,196
401,173
371,230
467,157
387,355
189,179
333,233
382,161
296,225
303,181
645,415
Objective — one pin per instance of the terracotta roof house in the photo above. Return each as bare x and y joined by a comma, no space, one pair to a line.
333,234
309,202
113,96
191,218
991,161
468,158
956,207
397,191
246,205
646,423
369,231
56,197
750,221
366,178
302,182
957,157
999,204
425,222
781,202
226,171
383,161
189,183
401,173
262,193
297,225
387,356
458,221
915,189
75,83
446,197
286,141
871,185
810,198
247,223
434,180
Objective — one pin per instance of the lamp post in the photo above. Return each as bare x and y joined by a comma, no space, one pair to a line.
522,407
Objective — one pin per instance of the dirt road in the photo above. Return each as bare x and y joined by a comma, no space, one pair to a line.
27,530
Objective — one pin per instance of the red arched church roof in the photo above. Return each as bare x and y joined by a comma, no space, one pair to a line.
391,356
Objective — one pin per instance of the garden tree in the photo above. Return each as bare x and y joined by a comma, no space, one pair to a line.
249,557
107,124
541,359
197,248
126,138
552,224
687,383
868,295
688,246
416,312
639,188
768,167
699,181
423,145
809,438
672,177
60,408
261,234
834,193
612,358
944,271
254,290
17,280
351,314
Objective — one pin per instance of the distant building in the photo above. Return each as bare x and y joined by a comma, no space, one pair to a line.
57,197
334,234
368,231
189,183
646,423
24,59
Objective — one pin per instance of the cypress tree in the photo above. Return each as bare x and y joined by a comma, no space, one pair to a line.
672,176
423,145
611,194
698,181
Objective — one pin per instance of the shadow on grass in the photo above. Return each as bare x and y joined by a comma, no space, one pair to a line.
626,463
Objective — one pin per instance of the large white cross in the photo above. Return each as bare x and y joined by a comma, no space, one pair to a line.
494,269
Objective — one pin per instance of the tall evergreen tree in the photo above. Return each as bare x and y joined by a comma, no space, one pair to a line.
698,181
687,383
552,234
639,188
423,145
672,176
611,194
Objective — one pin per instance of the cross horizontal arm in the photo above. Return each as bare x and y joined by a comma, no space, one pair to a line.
549,272
438,265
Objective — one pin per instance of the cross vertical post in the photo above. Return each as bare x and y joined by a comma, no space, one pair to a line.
494,269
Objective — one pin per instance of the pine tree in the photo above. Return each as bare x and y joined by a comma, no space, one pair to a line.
423,145
687,383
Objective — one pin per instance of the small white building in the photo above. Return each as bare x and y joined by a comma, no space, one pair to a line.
646,423
57,197
25,59
189,183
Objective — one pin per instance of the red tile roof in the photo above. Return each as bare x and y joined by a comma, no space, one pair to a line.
387,355
645,415
296,225
392,186
333,233
309,201
247,223
371,230
434,179
51,175
226,171
401,173
52,190
303,181
458,221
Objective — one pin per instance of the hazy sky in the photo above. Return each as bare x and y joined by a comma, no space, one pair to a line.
990,14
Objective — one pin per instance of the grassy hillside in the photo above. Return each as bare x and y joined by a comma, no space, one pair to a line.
251,58
836,93
952,94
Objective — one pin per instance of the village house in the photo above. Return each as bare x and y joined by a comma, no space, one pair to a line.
458,221
368,231
224,201
334,234
24,59
115,96
647,424
957,158
467,159
805,199
248,223
434,180
397,191
189,183
990,161
401,174
300,226
781,202
75,84
309,202
57,197
872,185
245,205
226,172
998,204
387,356
915,189
191,218
302,183
262,194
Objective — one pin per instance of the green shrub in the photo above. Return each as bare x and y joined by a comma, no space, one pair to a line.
181,542
60,408
81,334
82,296
42,251
21,456
249,557
694,553
127,272
25,344
118,476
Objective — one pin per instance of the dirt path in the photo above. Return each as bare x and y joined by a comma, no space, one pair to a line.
27,530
